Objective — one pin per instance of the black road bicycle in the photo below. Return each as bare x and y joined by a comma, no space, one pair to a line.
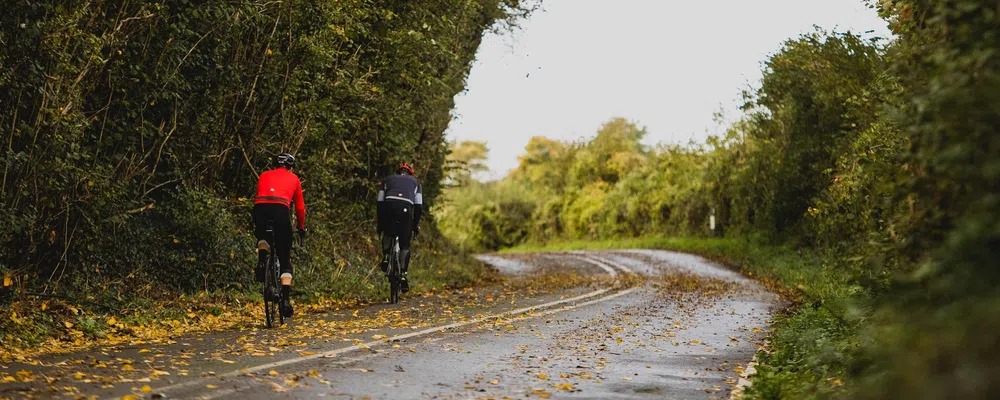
395,272
272,282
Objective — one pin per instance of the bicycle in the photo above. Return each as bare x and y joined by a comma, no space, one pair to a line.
395,271
272,282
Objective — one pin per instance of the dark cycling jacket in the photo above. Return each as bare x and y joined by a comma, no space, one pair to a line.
404,188
281,186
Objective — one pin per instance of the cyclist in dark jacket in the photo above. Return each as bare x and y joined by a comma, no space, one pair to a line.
277,190
400,203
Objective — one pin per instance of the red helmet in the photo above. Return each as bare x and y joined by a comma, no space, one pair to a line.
406,166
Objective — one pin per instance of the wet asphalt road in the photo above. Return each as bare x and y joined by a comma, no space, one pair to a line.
659,325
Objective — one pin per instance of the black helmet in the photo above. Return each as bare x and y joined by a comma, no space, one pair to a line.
285,160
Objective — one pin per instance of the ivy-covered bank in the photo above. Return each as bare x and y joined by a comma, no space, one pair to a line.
133,133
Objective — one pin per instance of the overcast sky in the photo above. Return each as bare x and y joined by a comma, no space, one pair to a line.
666,64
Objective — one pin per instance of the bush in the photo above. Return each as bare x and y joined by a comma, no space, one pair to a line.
134,131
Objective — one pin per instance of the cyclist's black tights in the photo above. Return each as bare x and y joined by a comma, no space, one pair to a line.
282,231
398,221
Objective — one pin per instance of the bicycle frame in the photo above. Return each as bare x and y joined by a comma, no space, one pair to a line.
272,284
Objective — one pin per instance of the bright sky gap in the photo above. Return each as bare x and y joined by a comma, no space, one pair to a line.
667,65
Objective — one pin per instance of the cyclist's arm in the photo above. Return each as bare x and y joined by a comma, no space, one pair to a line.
300,206
379,210
418,207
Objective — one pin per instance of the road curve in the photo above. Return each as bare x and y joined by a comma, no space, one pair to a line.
638,324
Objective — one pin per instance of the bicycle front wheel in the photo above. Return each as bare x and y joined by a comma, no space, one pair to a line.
272,294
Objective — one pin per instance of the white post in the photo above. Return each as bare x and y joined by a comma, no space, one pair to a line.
711,221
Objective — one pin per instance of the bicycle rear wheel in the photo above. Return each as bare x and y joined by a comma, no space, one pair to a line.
394,273
394,290
272,293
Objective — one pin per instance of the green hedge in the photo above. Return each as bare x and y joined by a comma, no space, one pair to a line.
133,131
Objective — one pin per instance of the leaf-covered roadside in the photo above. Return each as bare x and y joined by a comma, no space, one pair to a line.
39,326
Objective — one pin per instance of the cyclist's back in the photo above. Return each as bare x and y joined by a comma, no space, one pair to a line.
281,186
402,187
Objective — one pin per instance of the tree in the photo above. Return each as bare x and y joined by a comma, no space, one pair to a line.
543,164
613,153
465,160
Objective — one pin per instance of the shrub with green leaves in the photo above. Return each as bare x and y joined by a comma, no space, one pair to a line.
134,131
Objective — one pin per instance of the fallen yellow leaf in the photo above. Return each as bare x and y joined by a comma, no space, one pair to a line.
68,324
211,386
278,388
272,373
25,376
146,389
7,281
542,376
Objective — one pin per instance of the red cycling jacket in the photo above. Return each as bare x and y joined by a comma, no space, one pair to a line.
281,186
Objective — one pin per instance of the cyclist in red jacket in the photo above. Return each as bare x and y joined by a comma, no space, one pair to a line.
276,191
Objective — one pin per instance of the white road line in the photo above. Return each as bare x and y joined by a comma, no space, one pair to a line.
371,344
605,264
611,271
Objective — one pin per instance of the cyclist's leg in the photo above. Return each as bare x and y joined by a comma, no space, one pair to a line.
260,219
392,210
283,239
405,235
388,231
405,227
